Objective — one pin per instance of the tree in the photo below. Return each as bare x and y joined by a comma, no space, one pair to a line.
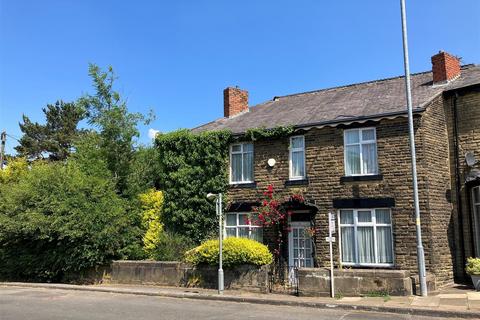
57,221
107,111
53,139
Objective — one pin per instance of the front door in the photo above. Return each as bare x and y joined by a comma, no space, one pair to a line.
299,249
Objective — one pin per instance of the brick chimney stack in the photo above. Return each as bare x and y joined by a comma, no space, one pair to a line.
445,67
235,101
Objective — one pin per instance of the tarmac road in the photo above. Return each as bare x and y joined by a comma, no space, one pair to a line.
51,304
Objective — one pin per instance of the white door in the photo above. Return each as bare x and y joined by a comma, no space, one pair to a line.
299,249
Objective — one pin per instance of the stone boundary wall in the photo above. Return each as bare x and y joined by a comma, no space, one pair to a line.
354,282
178,274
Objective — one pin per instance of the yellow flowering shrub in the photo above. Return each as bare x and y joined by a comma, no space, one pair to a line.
14,169
236,251
152,203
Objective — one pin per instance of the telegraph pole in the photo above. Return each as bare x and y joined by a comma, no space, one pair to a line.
3,138
420,252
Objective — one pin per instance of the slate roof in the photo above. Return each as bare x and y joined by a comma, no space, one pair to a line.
373,99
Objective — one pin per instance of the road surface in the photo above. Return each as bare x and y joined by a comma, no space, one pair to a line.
51,304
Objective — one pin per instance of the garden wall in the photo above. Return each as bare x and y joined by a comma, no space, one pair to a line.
178,274
354,282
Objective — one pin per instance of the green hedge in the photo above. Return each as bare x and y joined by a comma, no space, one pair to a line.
473,266
236,251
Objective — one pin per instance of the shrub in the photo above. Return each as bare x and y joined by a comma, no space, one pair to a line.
236,251
473,266
57,221
171,247
151,203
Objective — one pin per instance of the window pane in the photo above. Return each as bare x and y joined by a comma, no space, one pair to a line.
352,160
298,164
369,158
248,167
384,245
346,217
351,136
382,216
257,234
243,232
364,216
348,244
236,148
243,219
231,219
368,134
297,142
248,147
366,250
236,167
231,232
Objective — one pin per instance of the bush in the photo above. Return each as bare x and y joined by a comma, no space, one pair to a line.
171,247
151,204
473,266
57,221
236,251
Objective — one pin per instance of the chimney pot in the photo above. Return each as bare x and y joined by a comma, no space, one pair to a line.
445,67
235,101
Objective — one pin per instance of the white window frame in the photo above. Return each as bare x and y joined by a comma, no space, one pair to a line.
476,226
240,224
291,151
360,143
373,224
242,152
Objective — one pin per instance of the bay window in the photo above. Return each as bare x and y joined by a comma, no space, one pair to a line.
239,224
297,158
360,152
366,237
241,163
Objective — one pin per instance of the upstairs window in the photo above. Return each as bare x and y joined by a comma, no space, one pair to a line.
241,163
360,152
297,158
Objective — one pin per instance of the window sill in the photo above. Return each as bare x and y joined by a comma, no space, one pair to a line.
243,185
368,265
298,182
373,177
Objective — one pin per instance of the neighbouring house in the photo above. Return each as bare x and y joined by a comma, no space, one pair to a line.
349,155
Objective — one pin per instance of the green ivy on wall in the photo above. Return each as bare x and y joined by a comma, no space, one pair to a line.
192,166
262,133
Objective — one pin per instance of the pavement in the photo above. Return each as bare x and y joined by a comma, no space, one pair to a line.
451,302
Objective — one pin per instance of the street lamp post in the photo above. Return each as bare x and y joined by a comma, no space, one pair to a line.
420,252
219,212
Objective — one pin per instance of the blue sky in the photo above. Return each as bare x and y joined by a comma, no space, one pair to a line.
176,57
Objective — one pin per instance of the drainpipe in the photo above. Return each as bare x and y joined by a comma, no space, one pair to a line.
457,178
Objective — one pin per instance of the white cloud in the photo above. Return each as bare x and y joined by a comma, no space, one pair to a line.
152,133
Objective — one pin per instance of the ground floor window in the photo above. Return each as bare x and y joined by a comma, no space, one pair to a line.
239,224
366,237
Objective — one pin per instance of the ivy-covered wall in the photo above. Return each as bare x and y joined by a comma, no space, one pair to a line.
192,166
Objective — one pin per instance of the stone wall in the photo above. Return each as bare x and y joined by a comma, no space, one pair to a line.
177,274
148,272
354,282
325,167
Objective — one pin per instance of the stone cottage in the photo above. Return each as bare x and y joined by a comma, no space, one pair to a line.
349,155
